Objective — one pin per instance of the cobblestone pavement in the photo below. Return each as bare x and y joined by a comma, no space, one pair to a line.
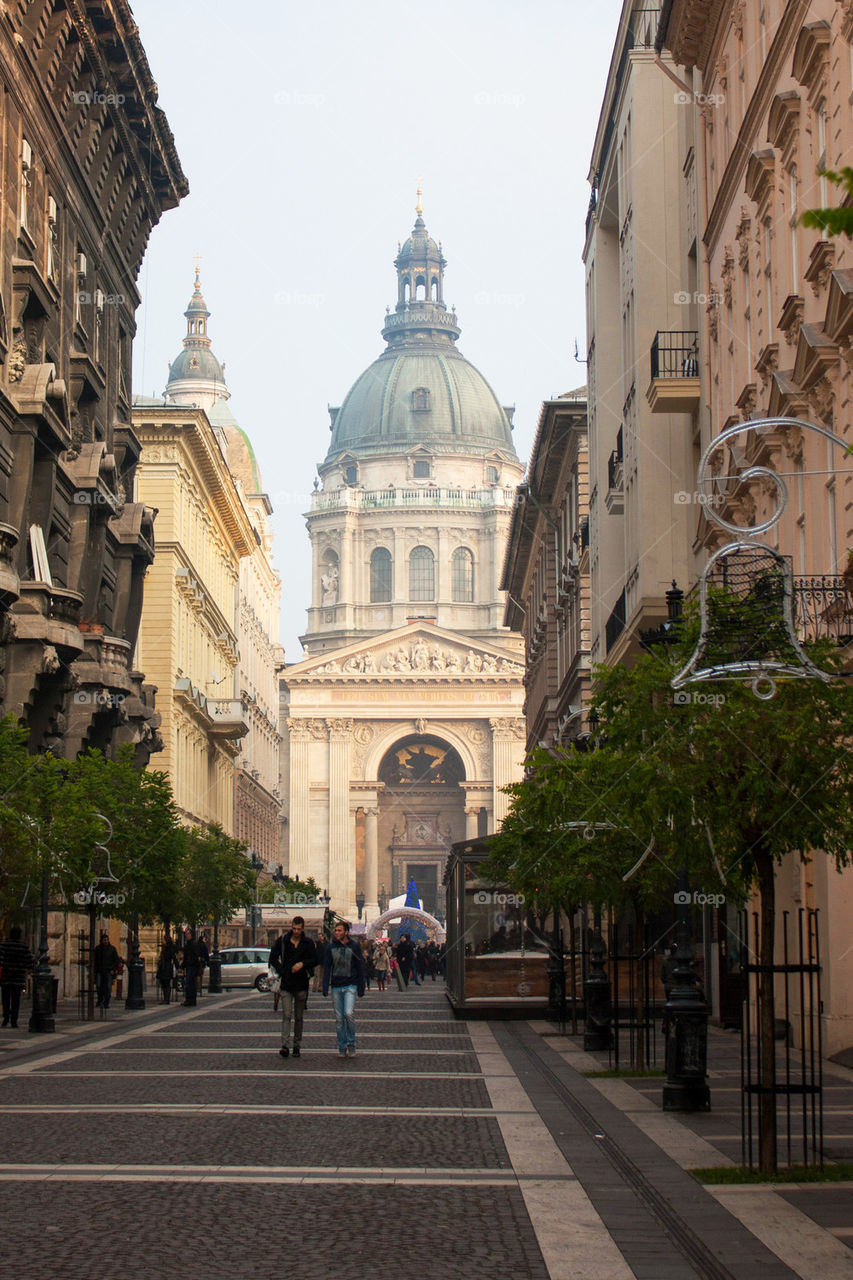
179,1141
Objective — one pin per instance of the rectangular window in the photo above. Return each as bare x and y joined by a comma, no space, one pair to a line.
26,181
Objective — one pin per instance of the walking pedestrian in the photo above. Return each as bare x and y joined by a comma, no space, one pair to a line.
190,968
203,961
106,968
367,957
343,971
406,959
421,962
294,958
382,965
16,961
166,968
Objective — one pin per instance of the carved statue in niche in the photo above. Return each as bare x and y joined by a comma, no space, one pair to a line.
329,584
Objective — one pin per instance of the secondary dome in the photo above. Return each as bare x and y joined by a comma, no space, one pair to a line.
421,389
196,376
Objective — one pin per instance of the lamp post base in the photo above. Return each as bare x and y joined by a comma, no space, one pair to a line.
41,1018
214,975
685,1095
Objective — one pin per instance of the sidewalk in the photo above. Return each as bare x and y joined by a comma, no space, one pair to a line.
807,1228
19,1043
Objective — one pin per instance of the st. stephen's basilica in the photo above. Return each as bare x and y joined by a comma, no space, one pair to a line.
405,719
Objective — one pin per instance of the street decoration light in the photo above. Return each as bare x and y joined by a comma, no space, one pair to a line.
761,646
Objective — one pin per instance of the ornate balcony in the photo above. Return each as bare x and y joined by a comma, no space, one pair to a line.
411,496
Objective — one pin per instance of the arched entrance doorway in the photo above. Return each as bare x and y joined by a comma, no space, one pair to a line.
421,814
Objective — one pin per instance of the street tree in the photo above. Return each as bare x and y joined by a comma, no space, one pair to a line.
215,876
727,784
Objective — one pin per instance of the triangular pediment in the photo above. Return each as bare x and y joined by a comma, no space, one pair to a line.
414,652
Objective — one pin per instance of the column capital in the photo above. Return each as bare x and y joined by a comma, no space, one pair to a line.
339,728
504,727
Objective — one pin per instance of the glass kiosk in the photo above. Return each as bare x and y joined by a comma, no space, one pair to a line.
496,959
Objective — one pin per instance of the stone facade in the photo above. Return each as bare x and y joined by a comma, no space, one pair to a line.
88,167
546,574
768,92
189,637
643,362
404,721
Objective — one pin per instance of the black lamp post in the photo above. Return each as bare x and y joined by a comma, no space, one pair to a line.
359,902
257,867
597,1031
214,964
686,1087
135,970
41,1017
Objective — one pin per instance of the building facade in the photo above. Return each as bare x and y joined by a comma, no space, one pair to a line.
768,89
88,167
228,651
546,574
643,359
403,722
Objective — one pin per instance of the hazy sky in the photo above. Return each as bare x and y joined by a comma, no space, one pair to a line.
303,130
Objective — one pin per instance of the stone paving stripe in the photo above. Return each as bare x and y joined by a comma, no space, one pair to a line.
248,1109
115,1053
791,1234
659,1216
344,1070
574,1241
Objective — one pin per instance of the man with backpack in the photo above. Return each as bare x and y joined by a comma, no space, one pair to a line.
343,972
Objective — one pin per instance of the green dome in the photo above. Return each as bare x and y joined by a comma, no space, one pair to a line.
410,396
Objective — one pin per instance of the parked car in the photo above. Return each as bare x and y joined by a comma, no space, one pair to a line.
245,967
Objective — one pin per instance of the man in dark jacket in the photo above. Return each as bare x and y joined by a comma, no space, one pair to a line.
294,958
343,971
106,967
320,946
16,961
405,954
191,963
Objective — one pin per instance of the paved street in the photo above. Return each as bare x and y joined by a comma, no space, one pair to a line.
179,1141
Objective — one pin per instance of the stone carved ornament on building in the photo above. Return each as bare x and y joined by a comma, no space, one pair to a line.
421,659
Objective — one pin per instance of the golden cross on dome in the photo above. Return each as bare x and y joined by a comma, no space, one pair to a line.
419,208
197,268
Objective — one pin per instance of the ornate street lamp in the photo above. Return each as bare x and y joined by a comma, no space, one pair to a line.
686,1087
257,866
596,989
41,1017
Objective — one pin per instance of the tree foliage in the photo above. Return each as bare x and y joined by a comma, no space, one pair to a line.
839,221
215,876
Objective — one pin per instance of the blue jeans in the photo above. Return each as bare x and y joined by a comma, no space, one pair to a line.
343,998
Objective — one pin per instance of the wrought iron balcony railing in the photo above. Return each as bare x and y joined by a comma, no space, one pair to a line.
823,609
675,354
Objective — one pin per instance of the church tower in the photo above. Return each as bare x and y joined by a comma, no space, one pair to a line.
404,720
196,377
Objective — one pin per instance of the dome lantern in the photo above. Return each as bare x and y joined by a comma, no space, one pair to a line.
196,377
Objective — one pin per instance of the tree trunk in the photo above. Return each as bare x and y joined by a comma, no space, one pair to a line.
766,871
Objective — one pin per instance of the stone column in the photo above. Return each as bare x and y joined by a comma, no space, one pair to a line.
371,863
472,815
341,828
508,738
300,862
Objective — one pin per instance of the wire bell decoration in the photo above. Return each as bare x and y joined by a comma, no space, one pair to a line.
748,623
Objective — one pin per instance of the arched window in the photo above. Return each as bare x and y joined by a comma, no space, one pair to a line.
381,578
421,574
462,576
